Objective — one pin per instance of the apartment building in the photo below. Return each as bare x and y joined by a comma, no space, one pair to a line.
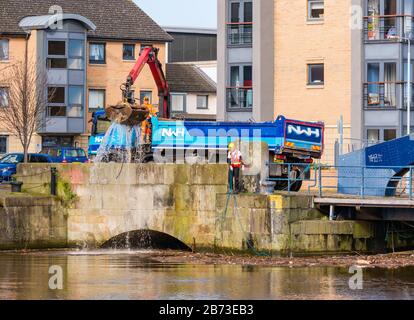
317,60
87,55
387,27
245,60
300,59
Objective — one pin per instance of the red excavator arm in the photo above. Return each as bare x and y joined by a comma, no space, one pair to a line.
149,55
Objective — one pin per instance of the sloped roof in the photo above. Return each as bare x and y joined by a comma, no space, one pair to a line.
188,78
120,19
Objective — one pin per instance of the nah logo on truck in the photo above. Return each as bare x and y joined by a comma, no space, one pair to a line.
180,132
304,131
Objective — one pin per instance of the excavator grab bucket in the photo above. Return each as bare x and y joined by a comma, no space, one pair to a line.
127,114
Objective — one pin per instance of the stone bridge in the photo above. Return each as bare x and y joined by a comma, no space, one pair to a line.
101,204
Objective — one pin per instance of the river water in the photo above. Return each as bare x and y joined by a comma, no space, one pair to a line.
135,275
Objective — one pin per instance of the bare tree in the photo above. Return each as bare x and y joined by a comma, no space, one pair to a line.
28,99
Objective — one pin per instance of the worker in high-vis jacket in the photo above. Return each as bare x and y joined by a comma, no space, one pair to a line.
235,161
146,126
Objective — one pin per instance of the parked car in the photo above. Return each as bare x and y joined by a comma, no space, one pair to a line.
67,155
8,164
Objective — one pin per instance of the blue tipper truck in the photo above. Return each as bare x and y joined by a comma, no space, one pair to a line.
289,141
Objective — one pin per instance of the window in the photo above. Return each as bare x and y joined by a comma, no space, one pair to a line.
57,48
129,52
240,28
373,84
76,54
76,95
316,74
240,93
373,135
97,54
4,49
56,95
57,111
57,100
390,86
178,102
76,48
4,97
390,134
202,102
144,94
382,86
75,102
316,9
57,55
248,12
235,12
96,99
3,144
57,63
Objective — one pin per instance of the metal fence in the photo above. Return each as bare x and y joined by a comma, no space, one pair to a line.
356,181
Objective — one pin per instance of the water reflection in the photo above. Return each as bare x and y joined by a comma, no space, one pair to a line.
135,275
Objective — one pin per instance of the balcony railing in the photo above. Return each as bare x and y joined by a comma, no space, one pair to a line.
240,34
387,28
239,98
386,95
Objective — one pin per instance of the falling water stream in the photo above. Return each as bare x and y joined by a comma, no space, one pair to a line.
121,144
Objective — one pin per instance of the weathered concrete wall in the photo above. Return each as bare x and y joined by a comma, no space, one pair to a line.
191,204
286,223
179,200
31,222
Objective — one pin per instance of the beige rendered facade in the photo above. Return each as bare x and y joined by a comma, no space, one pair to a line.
301,43
16,55
306,62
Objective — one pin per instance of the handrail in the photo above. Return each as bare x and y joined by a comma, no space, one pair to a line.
318,178
240,87
238,23
389,16
386,82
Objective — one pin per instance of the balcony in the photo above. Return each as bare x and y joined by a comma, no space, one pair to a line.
390,28
386,95
240,34
239,98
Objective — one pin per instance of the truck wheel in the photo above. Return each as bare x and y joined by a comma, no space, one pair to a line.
295,187
295,184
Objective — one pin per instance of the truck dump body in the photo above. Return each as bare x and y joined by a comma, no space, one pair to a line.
282,136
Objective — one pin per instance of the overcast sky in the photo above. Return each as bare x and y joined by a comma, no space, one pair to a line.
181,13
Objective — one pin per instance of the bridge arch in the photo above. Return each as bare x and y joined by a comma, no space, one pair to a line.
145,239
